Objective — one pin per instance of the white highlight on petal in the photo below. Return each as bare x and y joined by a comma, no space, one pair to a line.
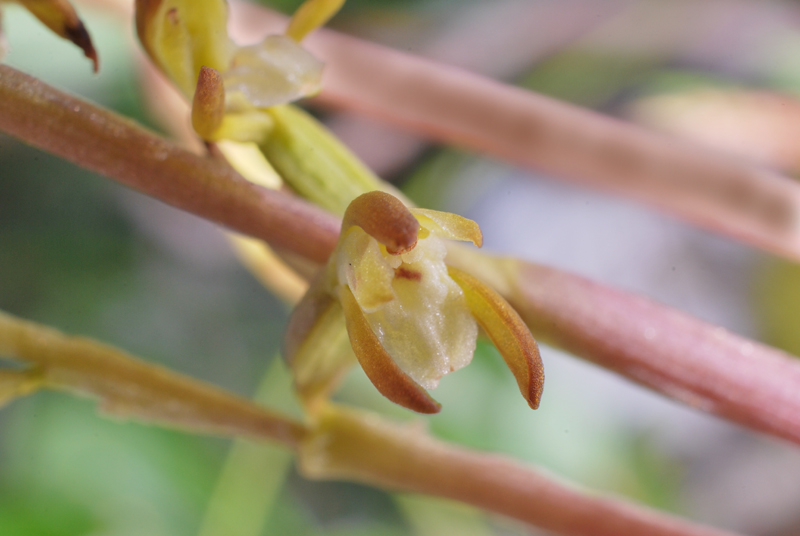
275,71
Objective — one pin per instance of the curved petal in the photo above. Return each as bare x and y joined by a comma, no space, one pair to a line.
61,18
508,333
448,225
316,346
379,366
181,36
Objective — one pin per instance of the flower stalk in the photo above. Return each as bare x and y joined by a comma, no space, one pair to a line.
102,141
364,448
691,365
455,107
130,388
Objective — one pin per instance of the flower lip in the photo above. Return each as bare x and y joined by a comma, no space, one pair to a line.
386,219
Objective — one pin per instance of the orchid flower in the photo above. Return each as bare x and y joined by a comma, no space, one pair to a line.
226,83
410,317
240,96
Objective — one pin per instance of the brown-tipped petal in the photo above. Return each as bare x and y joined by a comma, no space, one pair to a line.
385,218
61,18
508,333
208,105
379,366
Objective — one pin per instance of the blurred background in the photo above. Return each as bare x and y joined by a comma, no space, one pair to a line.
89,257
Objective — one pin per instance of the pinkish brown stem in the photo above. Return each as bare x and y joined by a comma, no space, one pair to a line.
355,446
452,106
702,365
99,140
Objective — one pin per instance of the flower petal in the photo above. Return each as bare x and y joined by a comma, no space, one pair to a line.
61,18
310,16
181,36
508,333
382,371
272,72
249,161
448,225
316,346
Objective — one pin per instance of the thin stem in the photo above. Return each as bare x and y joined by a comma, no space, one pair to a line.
699,364
131,388
686,359
452,106
359,447
102,141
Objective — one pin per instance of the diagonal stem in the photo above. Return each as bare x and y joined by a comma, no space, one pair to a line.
356,446
446,104
102,141
131,388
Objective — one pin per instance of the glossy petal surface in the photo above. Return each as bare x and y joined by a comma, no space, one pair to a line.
275,71
448,225
182,36
379,366
427,328
508,333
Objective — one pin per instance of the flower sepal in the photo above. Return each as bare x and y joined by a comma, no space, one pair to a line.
410,318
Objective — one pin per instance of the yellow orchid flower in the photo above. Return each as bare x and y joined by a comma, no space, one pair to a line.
227,83
410,318
61,18
239,96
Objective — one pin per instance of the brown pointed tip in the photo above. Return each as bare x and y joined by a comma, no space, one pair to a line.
507,331
385,218
379,366
80,36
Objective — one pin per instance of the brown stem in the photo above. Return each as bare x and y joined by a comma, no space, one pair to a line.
453,106
102,141
358,447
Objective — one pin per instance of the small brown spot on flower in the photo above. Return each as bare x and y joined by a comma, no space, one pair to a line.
172,16
405,273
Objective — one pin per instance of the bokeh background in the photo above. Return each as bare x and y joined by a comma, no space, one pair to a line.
89,257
